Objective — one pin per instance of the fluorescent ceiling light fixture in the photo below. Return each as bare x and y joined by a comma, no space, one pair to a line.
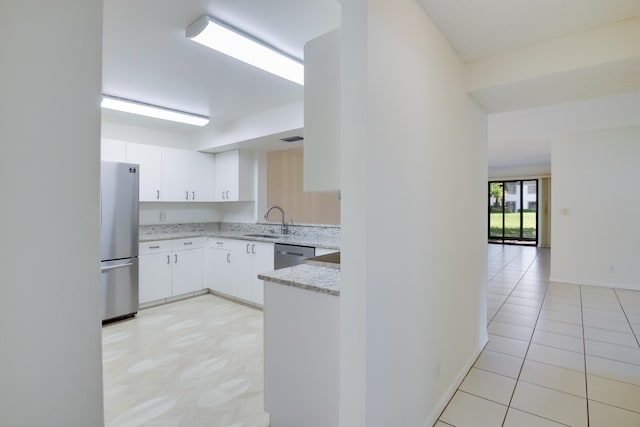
225,39
128,106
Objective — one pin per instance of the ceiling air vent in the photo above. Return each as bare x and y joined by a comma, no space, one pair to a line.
292,138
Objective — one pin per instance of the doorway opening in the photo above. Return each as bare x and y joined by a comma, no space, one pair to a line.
513,212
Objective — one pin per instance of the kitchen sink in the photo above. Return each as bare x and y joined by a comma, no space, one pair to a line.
265,236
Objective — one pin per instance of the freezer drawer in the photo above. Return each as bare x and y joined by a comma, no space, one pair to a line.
119,288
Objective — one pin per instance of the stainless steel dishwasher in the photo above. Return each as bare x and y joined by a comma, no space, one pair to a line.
290,255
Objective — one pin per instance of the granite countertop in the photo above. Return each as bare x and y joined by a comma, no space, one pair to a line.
307,276
291,239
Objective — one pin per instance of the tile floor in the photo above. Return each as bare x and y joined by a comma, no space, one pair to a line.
558,354
196,362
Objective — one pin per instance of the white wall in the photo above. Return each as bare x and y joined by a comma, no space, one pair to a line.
143,135
413,320
50,362
595,178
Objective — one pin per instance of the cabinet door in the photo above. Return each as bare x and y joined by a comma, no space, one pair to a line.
201,177
187,271
263,262
149,158
241,269
219,267
226,176
175,175
154,276
112,150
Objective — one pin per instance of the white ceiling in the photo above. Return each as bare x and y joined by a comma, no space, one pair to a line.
148,58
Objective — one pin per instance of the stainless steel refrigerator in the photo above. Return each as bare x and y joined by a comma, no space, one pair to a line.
119,185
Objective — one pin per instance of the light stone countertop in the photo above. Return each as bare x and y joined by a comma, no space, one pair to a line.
290,239
307,276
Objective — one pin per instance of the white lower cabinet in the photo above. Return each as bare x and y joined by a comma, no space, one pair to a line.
232,267
170,268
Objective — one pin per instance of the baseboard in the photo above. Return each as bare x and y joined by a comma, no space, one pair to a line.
451,390
592,283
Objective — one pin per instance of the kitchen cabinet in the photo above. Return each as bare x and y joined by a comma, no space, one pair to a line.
175,175
187,176
201,176
234,176
261,262
154,263
322,113
112,150
218,268
149,157
170,268
233,267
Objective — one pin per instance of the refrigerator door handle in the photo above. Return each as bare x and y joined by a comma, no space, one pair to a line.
113,267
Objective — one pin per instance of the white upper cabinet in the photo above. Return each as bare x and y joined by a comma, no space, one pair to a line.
149,157
322,113
234,176
201,176
175,175
112,150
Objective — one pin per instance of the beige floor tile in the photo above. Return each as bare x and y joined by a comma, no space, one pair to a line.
441,424
560,307
610,325
615,393
554,377
488,385
510,346
557,357
559,327
560,316
510,331
611,337
613,351
550,404
601,415
466,410
519,309
517,418
564,342
528,302
516,319
613,369
499,363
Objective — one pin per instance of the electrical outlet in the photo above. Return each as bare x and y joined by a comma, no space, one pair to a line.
163,216
612,268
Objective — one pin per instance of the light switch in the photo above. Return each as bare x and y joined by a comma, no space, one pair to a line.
565,211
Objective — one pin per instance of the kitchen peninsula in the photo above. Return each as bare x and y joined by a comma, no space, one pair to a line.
301,343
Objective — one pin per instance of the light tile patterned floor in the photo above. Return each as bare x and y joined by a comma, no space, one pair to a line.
558,354
197,362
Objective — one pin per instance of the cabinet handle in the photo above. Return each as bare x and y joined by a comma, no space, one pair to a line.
193,195
168,259
248,248
219,243
186,195
154,247
229,258
176,258
253,248
157,194
222,195
227,195
188,243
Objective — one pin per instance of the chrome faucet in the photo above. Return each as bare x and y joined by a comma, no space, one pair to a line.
283,226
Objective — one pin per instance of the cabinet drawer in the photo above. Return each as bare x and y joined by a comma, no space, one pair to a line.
154,247
182,244
221,243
